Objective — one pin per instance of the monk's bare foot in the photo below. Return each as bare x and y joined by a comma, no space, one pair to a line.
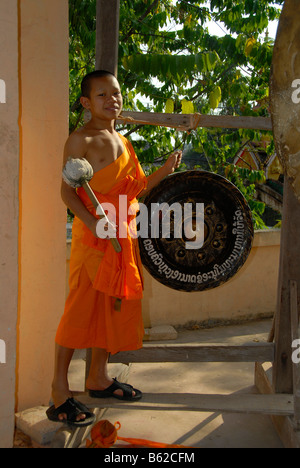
103,385
60,394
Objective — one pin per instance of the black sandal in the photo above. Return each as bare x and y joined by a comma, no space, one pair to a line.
109,392
72,408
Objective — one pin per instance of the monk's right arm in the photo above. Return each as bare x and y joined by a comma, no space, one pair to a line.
75,148
75,205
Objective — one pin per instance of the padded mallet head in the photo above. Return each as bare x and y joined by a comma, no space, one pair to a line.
77,171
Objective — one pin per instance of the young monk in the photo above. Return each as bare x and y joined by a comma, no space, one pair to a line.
99,275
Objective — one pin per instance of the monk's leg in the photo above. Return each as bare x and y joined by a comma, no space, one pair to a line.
98,378
60,384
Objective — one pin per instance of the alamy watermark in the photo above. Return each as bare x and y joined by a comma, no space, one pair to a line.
296,100
2,342
2,92
296,352
178,221
2,352
296,93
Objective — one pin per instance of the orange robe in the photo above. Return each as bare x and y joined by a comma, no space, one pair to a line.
98,274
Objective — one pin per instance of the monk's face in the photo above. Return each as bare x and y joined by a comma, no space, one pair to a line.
105,101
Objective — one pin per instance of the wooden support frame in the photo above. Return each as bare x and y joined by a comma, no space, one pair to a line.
284,425
260,352
274,404
283,368
188,122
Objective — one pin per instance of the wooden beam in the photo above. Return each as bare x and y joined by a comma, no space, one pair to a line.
276,404
259,352
186,122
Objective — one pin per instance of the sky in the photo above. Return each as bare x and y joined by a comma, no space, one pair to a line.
217,29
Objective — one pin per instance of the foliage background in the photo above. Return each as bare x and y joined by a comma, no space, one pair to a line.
170,62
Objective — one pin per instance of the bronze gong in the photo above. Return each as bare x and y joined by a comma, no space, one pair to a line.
217,209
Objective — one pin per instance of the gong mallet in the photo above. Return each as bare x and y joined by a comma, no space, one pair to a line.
78,173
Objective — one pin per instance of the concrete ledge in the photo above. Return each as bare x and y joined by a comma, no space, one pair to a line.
160,332
266,238
34,423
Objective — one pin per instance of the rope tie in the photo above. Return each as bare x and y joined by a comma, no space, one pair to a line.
194,121
104,434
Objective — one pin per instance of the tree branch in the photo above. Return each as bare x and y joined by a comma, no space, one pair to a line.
141,18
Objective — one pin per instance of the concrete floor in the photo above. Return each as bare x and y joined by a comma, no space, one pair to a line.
195,429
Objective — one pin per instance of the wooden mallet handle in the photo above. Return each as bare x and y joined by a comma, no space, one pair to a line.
86,186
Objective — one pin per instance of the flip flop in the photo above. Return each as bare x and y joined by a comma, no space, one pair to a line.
109,392
72,408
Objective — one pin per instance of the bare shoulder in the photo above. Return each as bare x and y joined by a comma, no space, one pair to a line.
75,146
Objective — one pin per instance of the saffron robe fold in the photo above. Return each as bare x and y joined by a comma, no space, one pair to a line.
98,274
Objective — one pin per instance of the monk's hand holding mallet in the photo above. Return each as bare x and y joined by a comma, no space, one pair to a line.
77,173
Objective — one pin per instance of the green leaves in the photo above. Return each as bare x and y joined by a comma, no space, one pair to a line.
249,46
169,106
187,107
166,65
215,97
246,180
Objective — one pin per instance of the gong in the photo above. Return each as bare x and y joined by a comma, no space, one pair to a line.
197,232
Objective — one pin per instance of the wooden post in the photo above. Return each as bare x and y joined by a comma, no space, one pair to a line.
285,111
107,35
289,270
294,310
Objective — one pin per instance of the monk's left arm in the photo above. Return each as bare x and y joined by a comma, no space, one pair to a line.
172,163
